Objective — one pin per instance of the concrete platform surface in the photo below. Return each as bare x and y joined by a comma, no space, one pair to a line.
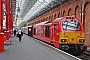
31,49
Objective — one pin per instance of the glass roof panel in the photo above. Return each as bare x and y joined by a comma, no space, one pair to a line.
34,9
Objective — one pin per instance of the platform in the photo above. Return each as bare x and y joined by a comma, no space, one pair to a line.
31,49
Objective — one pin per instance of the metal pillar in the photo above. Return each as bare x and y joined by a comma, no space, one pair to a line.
7,19
1,16
1,26
11,23
7,33
11,20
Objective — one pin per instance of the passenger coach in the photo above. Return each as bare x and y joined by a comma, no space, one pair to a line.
28,30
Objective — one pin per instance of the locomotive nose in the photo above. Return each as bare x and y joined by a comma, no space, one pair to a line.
73,37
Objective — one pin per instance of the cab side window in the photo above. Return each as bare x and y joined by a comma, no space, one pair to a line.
55,26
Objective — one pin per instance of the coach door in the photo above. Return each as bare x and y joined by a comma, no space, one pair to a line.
56,35
30,31
47,31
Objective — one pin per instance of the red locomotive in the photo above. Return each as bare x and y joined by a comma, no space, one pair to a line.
64,33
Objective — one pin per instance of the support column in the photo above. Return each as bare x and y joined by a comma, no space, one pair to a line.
7,19
1,16
10,18
1,42
10,25
7,33
1,26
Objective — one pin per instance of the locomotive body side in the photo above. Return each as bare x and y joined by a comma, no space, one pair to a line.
46,33
38,31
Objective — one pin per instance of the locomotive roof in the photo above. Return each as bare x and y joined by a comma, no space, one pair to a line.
49,21
58,18
54,20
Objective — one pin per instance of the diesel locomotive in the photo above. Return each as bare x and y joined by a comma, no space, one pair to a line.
64,33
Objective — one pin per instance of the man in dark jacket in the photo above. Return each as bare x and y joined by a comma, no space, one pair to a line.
19,34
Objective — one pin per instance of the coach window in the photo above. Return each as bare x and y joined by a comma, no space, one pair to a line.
47,31
55,26
34,31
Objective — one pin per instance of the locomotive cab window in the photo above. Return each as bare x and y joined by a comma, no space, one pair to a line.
55,26
47,31
71,25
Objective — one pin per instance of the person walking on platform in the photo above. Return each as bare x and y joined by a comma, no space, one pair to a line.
19,34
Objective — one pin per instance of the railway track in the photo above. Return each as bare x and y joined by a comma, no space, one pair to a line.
85,55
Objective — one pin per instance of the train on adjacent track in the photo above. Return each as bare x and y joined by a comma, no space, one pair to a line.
64,33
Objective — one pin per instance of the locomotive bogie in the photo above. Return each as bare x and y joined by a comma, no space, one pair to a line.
65,47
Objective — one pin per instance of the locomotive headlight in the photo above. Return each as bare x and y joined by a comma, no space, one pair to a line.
63,40
81,40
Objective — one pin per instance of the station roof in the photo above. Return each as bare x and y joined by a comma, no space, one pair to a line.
33,8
